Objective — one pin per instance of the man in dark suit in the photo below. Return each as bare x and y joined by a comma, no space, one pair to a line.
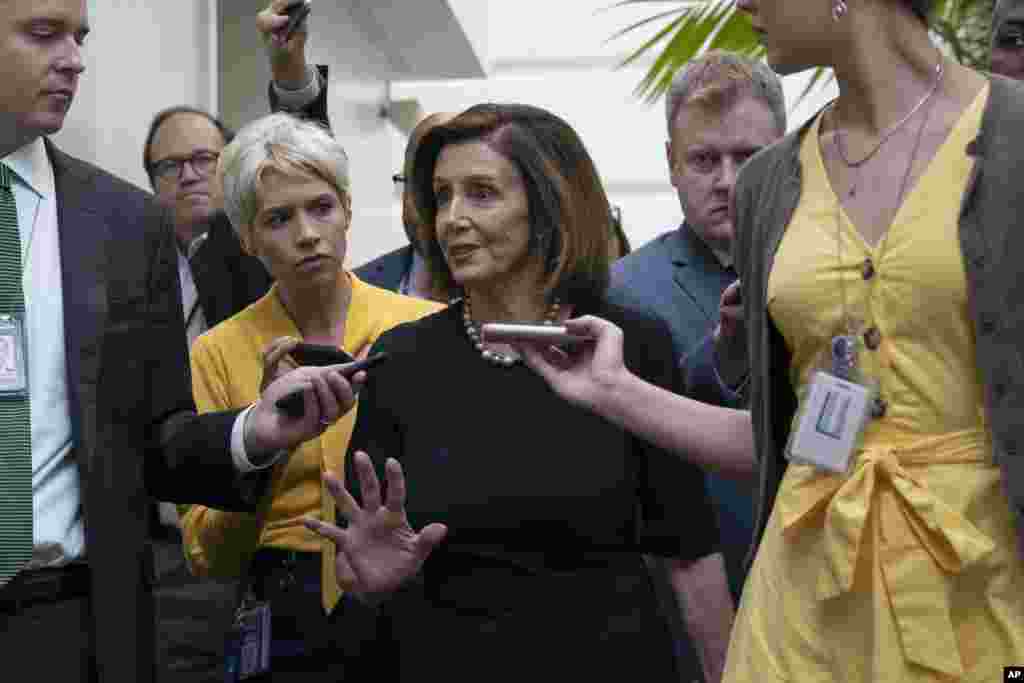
88,275
403,269
720,109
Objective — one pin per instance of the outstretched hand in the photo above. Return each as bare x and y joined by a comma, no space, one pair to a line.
582,373
379,551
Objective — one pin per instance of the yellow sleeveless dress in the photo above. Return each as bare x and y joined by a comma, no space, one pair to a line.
904,569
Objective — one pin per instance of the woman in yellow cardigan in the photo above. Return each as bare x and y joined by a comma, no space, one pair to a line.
286,191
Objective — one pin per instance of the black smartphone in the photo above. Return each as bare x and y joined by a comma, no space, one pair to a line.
296,12
293,405
319,355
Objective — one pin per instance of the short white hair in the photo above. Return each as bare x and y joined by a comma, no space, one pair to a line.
286,144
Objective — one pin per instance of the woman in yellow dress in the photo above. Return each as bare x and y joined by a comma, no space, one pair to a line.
880,262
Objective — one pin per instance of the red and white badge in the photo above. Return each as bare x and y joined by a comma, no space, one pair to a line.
13,357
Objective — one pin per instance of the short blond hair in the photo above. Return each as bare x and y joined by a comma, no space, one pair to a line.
283,143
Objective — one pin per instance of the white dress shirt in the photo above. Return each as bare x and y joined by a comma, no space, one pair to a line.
58,530
195,319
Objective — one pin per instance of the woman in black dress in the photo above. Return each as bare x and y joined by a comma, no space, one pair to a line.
537,511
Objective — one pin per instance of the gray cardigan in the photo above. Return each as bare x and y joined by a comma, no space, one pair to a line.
767,193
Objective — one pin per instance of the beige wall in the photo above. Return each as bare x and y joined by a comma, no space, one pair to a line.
141,56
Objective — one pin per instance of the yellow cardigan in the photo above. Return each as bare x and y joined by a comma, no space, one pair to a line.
226,372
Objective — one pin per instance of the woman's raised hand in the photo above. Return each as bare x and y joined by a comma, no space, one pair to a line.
276,361
378,551
584,373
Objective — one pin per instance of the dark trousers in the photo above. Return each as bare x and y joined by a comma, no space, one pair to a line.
192,618
307,645
48,642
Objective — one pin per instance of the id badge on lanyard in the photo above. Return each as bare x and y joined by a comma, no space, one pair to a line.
834,413
248,644
13,357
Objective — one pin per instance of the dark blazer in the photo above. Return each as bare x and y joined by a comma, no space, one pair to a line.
227,279
388,270
677,278
134,429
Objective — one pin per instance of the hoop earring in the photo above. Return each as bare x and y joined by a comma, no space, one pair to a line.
839,10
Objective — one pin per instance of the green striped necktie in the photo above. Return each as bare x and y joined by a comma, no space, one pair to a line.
15,434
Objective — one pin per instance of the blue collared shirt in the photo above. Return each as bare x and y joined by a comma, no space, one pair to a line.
59,532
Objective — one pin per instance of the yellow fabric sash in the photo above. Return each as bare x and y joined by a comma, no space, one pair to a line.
921,542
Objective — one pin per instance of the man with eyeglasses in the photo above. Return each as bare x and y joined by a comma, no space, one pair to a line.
1008,39
217,279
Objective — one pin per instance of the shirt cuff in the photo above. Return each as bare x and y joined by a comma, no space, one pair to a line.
295,100
238,455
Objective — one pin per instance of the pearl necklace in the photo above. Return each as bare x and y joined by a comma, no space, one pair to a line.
497,357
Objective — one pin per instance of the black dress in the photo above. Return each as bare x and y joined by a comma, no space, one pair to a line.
548,508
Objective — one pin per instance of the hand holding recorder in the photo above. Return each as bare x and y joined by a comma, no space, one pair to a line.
590,366
318,355
326,395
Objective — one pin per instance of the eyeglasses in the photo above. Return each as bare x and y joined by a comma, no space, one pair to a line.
203,163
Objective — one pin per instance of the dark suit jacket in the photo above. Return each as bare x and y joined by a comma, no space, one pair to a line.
388,270
678,279
134,431
227,279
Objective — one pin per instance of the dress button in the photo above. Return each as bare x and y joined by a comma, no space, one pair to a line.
872,338
868,269
878,407
988,323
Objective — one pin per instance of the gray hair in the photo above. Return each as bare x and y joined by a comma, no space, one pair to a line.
720,69
286,144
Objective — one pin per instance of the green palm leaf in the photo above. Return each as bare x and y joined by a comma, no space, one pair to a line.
696,27
693,29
